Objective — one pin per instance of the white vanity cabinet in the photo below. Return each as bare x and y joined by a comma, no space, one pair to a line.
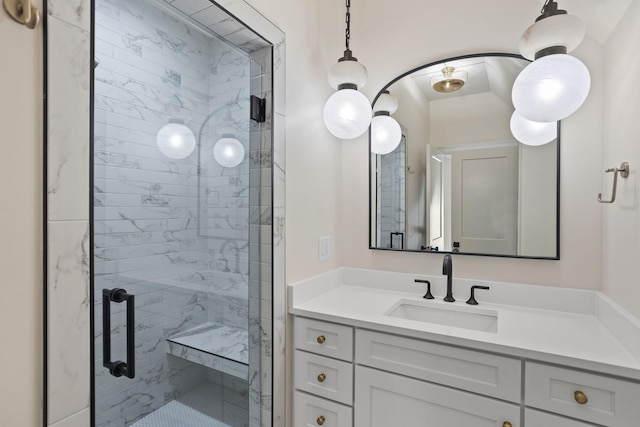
590,397
403,397
323,374
535,418
353,377
383,399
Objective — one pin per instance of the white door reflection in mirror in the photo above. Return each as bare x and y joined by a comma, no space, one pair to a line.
484,197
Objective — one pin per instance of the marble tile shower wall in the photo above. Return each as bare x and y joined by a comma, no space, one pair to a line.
185,270
224,192
391,193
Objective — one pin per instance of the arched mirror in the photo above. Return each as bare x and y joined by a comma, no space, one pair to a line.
459,180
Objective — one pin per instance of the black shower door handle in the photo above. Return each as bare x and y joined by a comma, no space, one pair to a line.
118,368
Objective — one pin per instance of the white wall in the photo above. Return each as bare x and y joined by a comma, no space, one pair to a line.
391,38
21,223
477,118
621,225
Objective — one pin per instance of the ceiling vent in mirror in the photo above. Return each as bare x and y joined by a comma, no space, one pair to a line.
347,113
450,80
555,84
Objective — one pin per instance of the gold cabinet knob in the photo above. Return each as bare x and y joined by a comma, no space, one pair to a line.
321,378
506,424
320,420
580,397
321,339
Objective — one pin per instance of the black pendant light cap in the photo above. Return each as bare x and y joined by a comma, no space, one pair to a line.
550,9
348,56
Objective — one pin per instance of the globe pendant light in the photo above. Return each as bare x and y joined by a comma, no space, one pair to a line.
347,113
555,84
228,151
532,133
385,130
175,140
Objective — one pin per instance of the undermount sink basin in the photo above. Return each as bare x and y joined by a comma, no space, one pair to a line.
473,318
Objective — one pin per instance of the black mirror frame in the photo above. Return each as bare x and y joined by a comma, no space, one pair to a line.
371,183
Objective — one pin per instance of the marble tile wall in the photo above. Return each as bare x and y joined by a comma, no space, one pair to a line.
391,198
68,35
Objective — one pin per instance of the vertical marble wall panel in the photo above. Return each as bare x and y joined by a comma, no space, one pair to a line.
68,302
68,127
68,324
79,419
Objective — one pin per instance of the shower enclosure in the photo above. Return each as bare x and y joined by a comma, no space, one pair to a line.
182,212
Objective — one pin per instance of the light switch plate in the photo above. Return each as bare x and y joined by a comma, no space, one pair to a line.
324,248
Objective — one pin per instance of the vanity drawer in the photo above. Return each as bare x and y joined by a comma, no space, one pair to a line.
481,373
323,376
311,411
328,339
533,418
609,401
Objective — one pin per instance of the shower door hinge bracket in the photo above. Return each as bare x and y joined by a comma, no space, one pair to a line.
258,109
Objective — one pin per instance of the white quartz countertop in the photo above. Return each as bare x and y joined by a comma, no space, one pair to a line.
576,338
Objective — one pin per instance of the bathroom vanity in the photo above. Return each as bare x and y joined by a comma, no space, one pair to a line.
370,351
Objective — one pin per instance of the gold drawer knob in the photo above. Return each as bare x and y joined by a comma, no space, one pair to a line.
321,378
320,420
506,424
580,397
321,339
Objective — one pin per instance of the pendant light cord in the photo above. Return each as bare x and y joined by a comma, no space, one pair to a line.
348,21
546,3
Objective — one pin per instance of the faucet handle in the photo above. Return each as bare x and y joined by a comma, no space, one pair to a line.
428,294
472,298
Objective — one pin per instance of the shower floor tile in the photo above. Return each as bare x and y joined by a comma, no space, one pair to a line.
223,348
204,406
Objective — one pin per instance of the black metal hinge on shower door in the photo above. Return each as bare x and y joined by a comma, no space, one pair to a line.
118,368
258,109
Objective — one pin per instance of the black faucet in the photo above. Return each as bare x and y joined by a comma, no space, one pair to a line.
447,268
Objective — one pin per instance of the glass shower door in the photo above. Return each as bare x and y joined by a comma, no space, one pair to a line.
173,191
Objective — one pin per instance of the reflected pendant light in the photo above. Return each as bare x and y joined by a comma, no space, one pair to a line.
385,130
450,80
347,113
555,84
532,133
175,140
228,151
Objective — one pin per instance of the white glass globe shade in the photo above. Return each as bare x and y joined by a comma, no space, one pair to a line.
228,152
176,140
386,102
551,88
385,134
532,133
556,30
347,72
347,114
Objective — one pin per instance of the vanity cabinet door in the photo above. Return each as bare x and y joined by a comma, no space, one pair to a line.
590,397
327,339
481,373
329,378
384,400
541,419
311,411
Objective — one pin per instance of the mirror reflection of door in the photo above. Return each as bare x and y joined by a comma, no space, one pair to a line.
484,194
